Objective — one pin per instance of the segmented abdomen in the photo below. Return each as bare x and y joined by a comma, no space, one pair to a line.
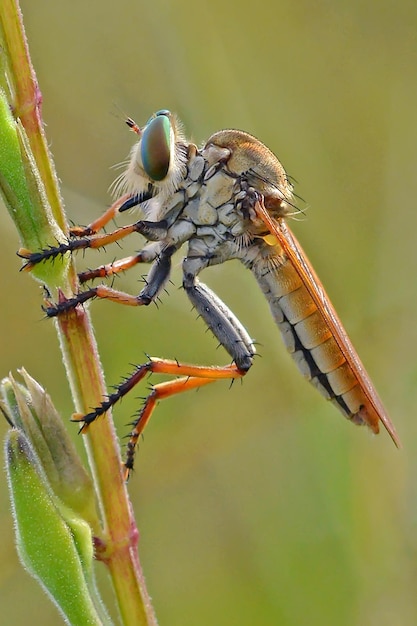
307,336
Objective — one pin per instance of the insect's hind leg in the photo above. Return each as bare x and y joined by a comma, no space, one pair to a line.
231,334
225,326
191,377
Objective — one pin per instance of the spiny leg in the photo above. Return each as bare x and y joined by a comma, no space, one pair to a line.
192,377
230,333
156,279
110,269
83,232
222,322
165,390
122,204
87,237
143,227
153,231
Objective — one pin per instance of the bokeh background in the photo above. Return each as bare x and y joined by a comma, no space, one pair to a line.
257,504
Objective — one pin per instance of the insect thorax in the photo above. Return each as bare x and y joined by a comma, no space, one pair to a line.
212,203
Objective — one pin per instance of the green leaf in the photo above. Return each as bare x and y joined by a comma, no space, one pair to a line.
58,553
31,410
25,197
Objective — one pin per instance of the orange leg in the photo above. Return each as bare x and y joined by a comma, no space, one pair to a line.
101,291
121,265
105,218
87,238
192,377
157,277
96,241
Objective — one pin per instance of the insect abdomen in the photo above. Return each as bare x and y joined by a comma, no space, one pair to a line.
308,338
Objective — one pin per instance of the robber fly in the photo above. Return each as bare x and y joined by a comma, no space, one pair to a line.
226,200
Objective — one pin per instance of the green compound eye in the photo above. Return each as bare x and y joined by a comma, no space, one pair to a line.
156,146
163,112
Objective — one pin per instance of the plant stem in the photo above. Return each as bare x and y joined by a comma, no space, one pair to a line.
27,100
117,547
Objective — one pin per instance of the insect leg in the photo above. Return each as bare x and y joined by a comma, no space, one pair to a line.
95,241
157,277
146,255
192,377
122,204
110,269
224,325
219,318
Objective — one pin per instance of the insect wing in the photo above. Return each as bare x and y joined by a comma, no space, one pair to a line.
372,410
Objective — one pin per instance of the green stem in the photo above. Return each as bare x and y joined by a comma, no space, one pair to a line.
117,546
26,102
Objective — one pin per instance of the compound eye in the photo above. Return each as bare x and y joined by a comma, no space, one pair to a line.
163,112
156,146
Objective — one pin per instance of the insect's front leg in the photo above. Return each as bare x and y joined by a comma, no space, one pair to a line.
153,231
126,202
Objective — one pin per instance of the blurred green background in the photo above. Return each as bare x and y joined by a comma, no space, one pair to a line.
256,504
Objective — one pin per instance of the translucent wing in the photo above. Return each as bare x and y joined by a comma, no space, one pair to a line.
363,403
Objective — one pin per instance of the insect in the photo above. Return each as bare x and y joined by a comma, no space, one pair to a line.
226,200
